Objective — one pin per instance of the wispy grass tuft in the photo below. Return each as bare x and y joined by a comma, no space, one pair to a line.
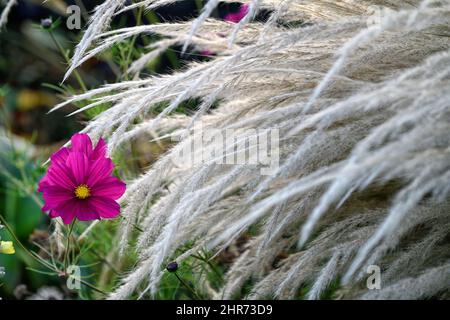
363,115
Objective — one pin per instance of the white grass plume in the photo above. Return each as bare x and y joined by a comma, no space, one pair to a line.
363,117
98,23
5,12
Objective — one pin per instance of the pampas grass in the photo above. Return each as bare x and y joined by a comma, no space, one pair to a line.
364,119
6,11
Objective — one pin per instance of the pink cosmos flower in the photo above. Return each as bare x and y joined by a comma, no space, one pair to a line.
79,184
237,16
206,53
231,17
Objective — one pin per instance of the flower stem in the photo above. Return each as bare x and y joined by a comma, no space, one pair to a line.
11,232
43,263
188,287
208,262
68,244
138,18
66,57
87,284
30,253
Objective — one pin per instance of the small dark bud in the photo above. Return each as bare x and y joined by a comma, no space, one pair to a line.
172,267
46,23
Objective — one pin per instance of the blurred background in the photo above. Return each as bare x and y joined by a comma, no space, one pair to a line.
33,59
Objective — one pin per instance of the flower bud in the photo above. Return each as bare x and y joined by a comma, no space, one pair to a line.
172,267
46,23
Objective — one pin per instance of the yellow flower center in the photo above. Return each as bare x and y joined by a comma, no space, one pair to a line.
82,191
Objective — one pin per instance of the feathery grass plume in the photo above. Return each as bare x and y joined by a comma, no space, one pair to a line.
431,281
98,23
206,12
363,117
5,12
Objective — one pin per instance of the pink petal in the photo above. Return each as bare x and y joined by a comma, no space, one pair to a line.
85,211
79,166
60,155
43,183
53,214
99,170
55,196
237,16
100,150
67,218
81,143
67,210
109,187
107,208
59,174
206,52
46,208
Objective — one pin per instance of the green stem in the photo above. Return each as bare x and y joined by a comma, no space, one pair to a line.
174,62
68,245
21,186
134,225
199,5
138,18
208,262
104,260
54,269
188,287
66,57
87,284
11,232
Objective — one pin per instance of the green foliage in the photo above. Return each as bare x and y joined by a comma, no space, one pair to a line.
38,264
20,206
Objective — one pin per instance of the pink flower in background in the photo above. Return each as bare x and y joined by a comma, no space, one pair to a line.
237,16
206,53
79,184
231,17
